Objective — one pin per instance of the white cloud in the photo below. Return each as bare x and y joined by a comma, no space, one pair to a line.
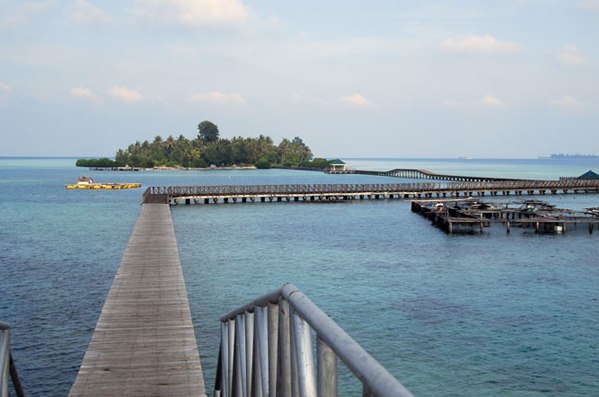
4,88
218,98
13,17
83,93
485,44
488,101
192,12
87,13
356,100
125,94
569,104
4,91
571,56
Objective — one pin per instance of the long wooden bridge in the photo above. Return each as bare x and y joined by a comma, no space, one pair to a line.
336,192
413,173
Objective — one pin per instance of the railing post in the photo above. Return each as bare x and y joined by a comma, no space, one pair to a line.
224,344
262,325
16,382
218,381
240,357
273,351
294,370
257,376
249,346
305,361
327,370
284,367
8,368
4,359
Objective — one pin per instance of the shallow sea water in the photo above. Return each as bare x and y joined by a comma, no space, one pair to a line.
460,315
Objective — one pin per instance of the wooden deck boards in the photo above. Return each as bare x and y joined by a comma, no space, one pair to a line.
144,343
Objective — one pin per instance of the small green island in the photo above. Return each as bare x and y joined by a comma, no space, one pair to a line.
209,150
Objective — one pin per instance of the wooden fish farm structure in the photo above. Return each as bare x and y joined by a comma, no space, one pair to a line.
471,214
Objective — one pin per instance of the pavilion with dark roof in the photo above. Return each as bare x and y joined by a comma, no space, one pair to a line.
589,175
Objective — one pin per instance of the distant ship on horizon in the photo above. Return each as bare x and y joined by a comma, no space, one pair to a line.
573,156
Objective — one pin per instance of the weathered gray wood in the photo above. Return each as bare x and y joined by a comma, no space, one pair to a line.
144,343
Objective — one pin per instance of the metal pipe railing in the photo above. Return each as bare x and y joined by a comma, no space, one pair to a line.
266,350
8,370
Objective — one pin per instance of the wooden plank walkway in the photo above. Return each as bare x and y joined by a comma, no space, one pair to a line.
144,343
336,192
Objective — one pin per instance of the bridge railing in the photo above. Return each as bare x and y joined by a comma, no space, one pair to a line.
315,189
266,350
7,365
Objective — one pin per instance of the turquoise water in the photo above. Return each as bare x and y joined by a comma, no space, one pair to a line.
460,315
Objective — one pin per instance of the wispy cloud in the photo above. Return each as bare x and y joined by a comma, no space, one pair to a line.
86,13
218,98
126,94
487,101
5,91
15,16
4,88
472,44
570,55
569,104
83,93
192,12
356,100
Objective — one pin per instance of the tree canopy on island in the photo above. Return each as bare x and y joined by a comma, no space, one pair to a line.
208,149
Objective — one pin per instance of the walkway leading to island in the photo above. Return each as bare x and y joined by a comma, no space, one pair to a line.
144,343
343,192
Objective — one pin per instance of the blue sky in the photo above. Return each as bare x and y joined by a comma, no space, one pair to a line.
398,78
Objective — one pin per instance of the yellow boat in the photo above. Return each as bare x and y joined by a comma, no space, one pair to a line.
85,182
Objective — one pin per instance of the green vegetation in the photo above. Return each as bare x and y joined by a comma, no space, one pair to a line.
101,162
207,149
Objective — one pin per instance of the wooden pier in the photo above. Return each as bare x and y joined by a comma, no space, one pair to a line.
412,173
144,342
340,192
469,214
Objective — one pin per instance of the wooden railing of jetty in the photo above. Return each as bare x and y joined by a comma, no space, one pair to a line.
330,192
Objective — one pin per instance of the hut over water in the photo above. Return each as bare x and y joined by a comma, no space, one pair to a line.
589,175
337,167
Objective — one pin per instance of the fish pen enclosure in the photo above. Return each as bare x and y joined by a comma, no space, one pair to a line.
470,214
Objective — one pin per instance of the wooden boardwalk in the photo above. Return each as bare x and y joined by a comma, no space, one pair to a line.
144,343
338,192
412,173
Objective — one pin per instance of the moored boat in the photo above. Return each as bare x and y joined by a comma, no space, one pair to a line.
85,182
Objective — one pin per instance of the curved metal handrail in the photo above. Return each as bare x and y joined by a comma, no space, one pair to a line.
279,323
